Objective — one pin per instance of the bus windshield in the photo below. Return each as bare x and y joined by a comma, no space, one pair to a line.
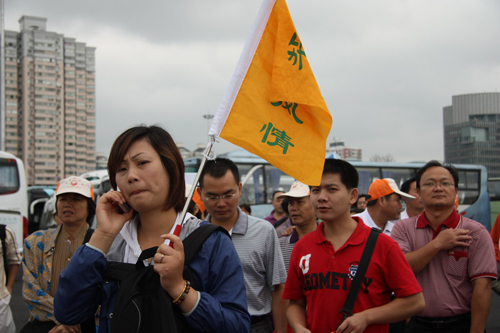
9,176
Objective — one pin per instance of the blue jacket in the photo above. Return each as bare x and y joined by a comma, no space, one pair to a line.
216,270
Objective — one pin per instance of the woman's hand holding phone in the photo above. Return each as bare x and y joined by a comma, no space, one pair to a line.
110,219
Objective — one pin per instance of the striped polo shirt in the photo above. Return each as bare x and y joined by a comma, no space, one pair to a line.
447,280
257,245
287,243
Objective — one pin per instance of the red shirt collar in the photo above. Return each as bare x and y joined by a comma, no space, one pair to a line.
451,222
357,237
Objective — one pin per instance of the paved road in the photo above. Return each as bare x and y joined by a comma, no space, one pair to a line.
21,313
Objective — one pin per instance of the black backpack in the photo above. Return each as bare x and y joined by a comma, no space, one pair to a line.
3,236
142,305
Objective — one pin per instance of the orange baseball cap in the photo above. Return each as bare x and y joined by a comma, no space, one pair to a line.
386,186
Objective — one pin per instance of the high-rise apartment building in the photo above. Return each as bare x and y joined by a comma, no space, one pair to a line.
472,131
50,102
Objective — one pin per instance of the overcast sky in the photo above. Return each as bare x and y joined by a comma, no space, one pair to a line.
386,68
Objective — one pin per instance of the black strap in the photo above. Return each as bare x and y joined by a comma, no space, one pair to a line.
280,222
360,273
89,233
3,238
197,238
146,254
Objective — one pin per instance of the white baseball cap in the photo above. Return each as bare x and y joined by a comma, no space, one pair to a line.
297,190
76,185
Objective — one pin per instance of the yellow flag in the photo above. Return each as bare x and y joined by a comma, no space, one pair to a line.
273,107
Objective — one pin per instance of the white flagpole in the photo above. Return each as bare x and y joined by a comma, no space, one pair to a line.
196,179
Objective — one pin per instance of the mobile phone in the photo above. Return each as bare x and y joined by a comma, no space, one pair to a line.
123,208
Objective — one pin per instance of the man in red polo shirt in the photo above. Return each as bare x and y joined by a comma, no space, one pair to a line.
451,255
324,262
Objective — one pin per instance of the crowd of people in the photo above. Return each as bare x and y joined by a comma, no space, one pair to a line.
219,269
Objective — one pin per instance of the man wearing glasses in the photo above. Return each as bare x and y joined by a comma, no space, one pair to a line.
452,256
255,241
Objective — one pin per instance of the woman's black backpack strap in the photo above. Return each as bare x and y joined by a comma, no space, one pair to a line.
142,305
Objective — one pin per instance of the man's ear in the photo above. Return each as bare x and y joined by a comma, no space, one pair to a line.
354,196
239,188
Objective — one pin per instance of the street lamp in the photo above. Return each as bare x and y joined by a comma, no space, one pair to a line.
208,117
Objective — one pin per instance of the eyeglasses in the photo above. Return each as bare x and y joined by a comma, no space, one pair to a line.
434,184
225,197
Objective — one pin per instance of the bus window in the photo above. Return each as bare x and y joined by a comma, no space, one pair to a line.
400,175
367,176
461,179
494,189
468,187
252,179
467,197
105,185
9,176
276,180
472,179
260,182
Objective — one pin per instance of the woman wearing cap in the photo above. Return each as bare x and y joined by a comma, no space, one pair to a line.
146,166
48,252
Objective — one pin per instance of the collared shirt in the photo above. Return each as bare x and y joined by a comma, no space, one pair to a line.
12,259
257,245
64,248
365,216
37,274
287,243
129,233
271,218
323,276
447,279
282,227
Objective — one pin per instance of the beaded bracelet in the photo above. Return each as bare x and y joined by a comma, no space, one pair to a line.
185,291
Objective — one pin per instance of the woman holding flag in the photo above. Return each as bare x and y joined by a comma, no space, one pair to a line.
147,168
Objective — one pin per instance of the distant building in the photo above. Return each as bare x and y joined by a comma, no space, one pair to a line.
200,149
472,131
101,161
49,118
185,153
346,153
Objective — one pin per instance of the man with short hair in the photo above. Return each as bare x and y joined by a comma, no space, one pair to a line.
255,241
278,213
413,207
302,216
452,256
323,263
360,204
384,205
